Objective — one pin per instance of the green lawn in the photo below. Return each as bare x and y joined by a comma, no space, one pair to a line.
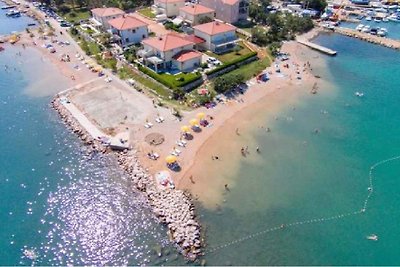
179,79
252,69
228,57
147,12
126,73
76,15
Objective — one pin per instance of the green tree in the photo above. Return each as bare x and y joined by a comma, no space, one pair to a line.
318,5
205,20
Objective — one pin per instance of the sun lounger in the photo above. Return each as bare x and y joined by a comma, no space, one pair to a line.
150,124
161,119
174,153
147,125
158,120
179,143
183,142
178,151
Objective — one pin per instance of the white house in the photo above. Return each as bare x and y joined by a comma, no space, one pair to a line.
168,52
219,37
170,8
101,16
129,30
194,14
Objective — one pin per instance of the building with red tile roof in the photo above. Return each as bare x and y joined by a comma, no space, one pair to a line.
130,30
170,8
170,51
103,15
219,37
194,14
231,11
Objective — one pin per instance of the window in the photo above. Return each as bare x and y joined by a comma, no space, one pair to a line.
134,30
126,40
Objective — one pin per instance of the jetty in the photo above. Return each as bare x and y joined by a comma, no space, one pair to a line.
319,48
384,41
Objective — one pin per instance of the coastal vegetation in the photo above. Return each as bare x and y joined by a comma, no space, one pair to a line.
239,51
147,12
171,81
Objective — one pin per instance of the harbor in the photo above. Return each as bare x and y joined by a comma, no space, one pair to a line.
390,43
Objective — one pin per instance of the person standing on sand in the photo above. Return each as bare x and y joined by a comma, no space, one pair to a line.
237,131
227,188
191,179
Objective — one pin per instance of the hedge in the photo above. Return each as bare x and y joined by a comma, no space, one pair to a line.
231,63
165,82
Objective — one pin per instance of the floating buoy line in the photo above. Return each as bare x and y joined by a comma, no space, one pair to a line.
315,220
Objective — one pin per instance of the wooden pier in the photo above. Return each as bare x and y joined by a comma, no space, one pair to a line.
319,48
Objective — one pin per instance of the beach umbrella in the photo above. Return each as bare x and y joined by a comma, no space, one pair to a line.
201,115
185,129
194,122
170,159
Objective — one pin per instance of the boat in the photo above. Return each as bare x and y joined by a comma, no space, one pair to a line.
385,19
360,27
372,237
377,19
366,29
359,94
368,18
382,32
13,13
394,17
374,31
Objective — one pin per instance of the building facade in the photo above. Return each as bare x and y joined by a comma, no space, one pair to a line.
102,15
128,30
170,8
194,14
169,52
219,37
230,11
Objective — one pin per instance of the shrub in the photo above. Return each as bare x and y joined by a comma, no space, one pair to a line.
231,63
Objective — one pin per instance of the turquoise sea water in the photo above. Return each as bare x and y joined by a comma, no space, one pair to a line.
56,199
301,175
73,207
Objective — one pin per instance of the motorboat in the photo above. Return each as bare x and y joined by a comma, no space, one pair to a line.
372,237
369,18
382,32
394,17
366,29
13,13
374,31
360,27
385,19
377,19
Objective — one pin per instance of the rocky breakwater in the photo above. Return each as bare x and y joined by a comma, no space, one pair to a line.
394,44
173,207
76,128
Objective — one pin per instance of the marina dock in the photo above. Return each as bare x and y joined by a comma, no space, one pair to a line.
319,48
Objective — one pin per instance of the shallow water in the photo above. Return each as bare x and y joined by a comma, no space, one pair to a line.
302,176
